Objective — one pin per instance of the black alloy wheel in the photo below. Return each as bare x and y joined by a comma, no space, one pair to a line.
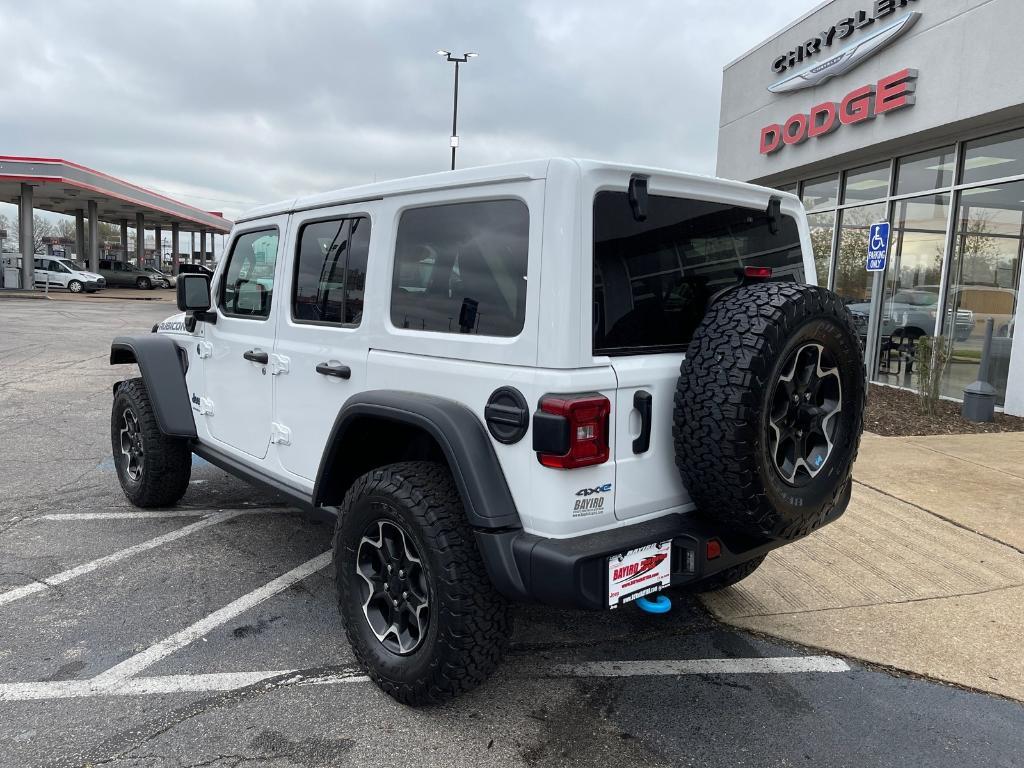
396,600
802,428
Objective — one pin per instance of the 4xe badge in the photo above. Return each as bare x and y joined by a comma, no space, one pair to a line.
586,507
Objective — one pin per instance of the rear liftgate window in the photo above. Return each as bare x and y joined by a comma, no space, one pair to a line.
461,268
653,278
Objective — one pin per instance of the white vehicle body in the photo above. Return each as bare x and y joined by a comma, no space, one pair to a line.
63,272
276,417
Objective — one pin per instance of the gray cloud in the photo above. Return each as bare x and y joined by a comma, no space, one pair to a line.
231,103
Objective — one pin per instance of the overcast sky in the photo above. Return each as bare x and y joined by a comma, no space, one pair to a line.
227,104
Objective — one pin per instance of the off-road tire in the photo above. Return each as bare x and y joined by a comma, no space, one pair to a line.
469,622
721,413
726,578
143,283
167,464
75,286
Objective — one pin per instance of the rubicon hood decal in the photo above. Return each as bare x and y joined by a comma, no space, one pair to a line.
846,59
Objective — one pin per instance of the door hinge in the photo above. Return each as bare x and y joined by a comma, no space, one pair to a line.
280,434
204,404
204,349
278,364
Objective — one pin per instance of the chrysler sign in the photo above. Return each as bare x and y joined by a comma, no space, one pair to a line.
865,103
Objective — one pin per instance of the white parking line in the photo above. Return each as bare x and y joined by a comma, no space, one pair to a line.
232,681
140,661
154,515
776,665
73,573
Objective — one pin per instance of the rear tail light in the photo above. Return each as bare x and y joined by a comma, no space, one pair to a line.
571,431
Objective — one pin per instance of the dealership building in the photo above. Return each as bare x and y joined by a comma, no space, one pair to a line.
909,112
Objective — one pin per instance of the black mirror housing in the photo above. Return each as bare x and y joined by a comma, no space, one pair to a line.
193,292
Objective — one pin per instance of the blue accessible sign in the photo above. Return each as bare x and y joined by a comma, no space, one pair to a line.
878,247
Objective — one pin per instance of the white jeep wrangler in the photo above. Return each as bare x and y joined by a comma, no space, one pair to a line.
562,381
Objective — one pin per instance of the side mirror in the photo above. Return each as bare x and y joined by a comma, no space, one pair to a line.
193,292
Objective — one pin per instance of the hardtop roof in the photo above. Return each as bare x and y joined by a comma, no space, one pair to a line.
469,177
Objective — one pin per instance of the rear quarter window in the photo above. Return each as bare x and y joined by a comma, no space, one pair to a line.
461,268
653,278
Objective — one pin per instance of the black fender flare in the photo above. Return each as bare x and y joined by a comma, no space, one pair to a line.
159,360
458,432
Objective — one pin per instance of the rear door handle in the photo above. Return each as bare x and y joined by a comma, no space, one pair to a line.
338,371
643,402
256,357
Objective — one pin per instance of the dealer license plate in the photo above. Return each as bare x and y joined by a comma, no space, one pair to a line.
639,572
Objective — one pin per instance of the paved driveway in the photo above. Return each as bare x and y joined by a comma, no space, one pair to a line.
208,634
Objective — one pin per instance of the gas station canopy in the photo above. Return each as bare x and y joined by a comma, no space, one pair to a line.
61,186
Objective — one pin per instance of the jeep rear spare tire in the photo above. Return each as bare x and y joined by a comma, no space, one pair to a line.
769,409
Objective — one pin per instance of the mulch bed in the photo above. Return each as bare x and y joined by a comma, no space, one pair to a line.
897,413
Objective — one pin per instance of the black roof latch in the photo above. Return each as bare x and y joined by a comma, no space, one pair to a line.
774,213
638,197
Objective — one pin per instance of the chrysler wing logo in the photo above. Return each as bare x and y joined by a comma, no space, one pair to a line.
846,59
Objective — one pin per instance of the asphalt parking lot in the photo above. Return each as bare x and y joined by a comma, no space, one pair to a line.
208,634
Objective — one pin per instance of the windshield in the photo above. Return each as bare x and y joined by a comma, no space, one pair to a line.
653,279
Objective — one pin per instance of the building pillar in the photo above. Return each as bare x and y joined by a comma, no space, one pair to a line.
192,250
202,247
27,238
80,236
140,239
94,237
124,240
174,248
158,247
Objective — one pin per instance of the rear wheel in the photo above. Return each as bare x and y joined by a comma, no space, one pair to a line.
419,611
769,409
153,469
75,286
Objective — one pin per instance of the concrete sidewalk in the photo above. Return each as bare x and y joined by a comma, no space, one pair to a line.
924,573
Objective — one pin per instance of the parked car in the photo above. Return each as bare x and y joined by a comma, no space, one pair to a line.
59,272
567,382
911,313
161,279
125,275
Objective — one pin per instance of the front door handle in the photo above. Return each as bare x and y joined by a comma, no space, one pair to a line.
256,357
339,371
643,402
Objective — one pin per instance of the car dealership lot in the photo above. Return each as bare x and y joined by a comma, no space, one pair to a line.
208,634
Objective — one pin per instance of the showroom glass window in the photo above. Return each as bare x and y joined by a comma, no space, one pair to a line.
330,272
928,170
864,184
823,227
984,279
461,268
996,157
852,282
821,193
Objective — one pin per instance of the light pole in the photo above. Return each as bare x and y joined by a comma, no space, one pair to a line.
455,107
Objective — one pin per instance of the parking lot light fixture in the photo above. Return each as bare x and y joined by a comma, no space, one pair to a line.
456,60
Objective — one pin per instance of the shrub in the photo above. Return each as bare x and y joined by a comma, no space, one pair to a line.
930,360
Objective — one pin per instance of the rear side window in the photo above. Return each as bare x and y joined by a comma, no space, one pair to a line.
461,268
248,285
653,278
330,275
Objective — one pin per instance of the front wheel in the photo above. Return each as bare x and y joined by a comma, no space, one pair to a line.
75,286
418,608
144,283
153,469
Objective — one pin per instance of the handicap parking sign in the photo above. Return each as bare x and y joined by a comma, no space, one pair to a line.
878,247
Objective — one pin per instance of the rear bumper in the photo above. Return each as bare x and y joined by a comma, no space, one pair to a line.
573,573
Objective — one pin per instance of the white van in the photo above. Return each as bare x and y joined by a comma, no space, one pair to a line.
62,272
